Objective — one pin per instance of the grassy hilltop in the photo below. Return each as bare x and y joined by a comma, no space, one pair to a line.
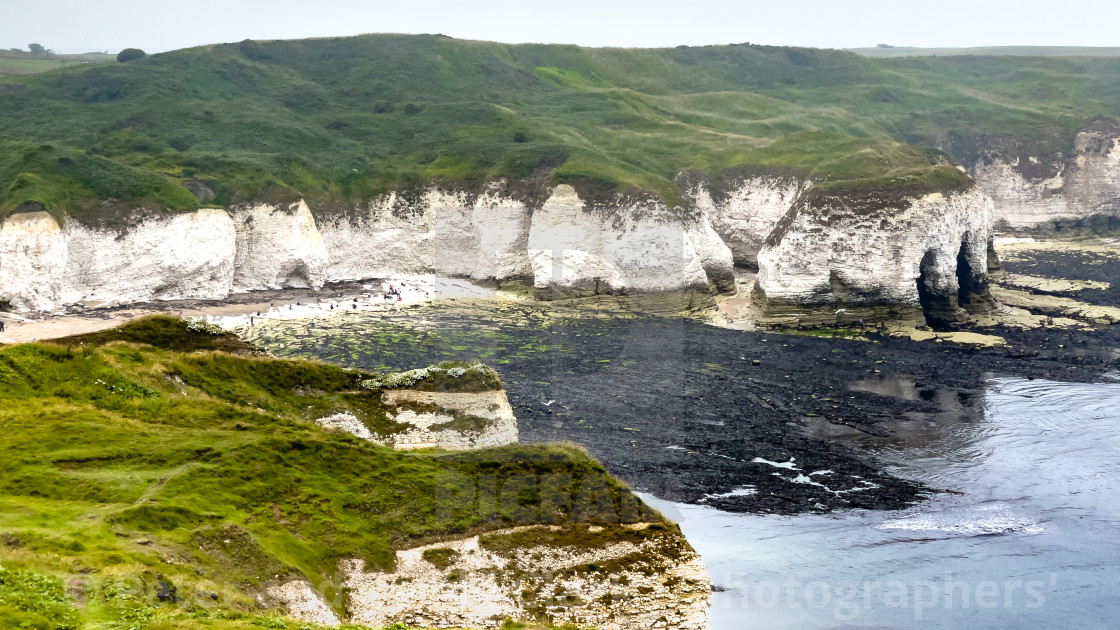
345,119
157,477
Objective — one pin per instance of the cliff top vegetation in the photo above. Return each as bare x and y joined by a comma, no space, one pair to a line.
150,479
342,120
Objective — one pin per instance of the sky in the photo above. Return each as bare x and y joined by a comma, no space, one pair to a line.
68,26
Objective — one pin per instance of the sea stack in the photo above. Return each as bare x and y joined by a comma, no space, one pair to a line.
909,252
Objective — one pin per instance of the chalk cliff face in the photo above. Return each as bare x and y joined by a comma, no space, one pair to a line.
490,420
43,265
746,213
32,261
436,232
277,247
212,252
638,247
180,256
829,261
1058,191
655,580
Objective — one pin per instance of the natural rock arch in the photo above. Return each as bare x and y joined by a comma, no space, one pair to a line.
828,262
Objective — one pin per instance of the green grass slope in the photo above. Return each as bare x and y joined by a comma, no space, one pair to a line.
345,119
128,468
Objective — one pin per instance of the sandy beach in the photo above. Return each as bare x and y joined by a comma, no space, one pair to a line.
244,308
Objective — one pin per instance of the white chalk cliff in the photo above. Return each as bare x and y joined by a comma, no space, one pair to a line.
1032,192
829,261
277,247
211,253
44,265
747,211
638,247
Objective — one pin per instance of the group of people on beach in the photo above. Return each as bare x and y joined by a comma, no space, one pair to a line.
388,295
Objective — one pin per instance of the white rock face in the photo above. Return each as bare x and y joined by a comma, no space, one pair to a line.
278,247
746,214
836,257
494,423
32,261
348,422
189,255
1029,193
303,602
439,232
209,253
575,251
491,584
498,426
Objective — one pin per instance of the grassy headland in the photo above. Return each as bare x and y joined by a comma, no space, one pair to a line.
159,477
345,119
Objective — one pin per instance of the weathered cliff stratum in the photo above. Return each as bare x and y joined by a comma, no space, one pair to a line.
278,247
642,575
830,260
483,237
1058,191
447,420
564,248
746,211
32,261
43,265
637,247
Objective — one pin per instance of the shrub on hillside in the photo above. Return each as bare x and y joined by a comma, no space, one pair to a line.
130,54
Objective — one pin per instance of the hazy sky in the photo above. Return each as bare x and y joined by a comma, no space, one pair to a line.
155,25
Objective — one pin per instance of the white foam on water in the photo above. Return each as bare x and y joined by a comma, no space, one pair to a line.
978,520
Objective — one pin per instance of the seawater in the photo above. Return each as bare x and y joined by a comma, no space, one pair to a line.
1028,537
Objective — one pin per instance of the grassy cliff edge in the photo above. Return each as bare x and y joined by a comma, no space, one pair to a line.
154,476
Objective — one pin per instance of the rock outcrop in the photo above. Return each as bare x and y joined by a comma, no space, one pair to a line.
457,421
636,576
187,255
1055,192
832,261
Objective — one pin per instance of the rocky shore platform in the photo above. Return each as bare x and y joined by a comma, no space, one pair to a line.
738,419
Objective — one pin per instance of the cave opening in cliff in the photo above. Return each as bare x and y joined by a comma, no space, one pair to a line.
965,284
934,304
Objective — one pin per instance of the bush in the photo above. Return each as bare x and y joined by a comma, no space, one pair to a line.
130,54
447,376
197,324
411,109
